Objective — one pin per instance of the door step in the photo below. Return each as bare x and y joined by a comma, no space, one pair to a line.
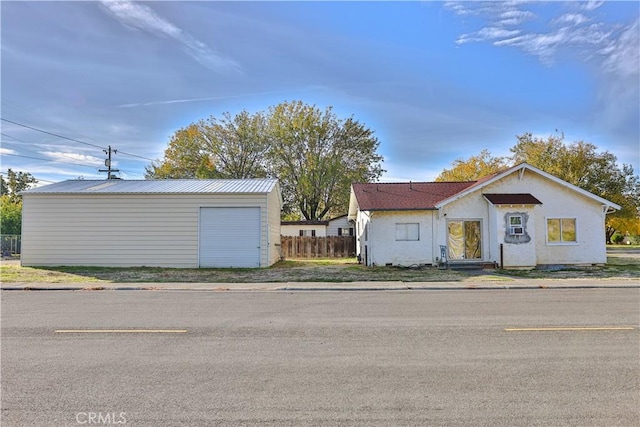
472,266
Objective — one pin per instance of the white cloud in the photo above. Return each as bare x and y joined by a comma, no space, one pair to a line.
7,151
74,158
622,55
572,19
592,4
617,46
136,15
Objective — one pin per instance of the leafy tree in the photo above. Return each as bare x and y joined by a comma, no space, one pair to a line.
185,157
10,215
474,167
231,147
315,155
11,201
14,183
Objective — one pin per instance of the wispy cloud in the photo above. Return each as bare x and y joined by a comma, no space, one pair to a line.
74,157
614,46
142,17
210,98
7,151
571,19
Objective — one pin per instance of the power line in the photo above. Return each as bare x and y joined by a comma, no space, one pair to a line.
71,139
134,155
51,133
48,160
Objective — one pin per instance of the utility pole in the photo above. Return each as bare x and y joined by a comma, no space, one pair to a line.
107,163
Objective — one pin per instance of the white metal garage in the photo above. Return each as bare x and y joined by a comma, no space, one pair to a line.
164,223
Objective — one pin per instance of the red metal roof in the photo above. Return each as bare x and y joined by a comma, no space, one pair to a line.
406,195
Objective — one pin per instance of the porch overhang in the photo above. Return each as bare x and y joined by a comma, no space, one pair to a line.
511,199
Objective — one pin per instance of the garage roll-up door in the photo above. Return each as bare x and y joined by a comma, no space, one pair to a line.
229,237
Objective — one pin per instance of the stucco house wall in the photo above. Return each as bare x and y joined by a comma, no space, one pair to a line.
385,246
534,196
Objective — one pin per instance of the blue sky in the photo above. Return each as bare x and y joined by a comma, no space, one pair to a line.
436,81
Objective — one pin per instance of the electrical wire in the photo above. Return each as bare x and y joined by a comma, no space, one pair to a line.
71,139
52,134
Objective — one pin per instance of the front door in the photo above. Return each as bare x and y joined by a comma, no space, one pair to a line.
465,240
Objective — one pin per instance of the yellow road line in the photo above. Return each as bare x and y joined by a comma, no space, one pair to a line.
586,328
120,331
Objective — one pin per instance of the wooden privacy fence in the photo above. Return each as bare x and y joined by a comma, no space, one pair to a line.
318,247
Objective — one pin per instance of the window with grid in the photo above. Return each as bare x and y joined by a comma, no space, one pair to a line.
561,230
407,231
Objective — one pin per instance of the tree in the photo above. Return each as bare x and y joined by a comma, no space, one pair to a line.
314,154
317,156
15,183
10,215
231,147
11,201
185,157
474,167
578,163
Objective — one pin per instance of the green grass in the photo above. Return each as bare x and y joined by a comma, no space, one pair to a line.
619,266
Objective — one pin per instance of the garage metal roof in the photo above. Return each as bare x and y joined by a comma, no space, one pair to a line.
159,186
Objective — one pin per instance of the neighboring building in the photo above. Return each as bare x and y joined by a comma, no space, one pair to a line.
520,218
304,228
163,223
339,226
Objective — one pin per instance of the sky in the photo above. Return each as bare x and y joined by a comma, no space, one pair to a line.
435,80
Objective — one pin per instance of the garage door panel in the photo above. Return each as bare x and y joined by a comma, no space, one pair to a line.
230,237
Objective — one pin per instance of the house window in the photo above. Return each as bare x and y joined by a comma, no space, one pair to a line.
311,233
345,231
561,230
516,227
407,231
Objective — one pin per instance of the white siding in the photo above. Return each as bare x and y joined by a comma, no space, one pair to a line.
294,229
124,229
335,224
274,208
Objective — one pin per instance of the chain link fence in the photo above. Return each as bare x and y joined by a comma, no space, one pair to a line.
10,245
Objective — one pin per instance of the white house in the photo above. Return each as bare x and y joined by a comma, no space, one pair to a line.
338,226
164,223
313,228
519,218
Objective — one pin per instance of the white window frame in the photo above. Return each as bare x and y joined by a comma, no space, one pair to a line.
561,242
407,231
516,229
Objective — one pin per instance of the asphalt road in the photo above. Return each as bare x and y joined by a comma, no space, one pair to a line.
389,358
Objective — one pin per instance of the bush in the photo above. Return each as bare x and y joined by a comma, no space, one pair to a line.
617,238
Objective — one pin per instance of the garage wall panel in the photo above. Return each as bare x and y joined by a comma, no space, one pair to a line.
230,237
